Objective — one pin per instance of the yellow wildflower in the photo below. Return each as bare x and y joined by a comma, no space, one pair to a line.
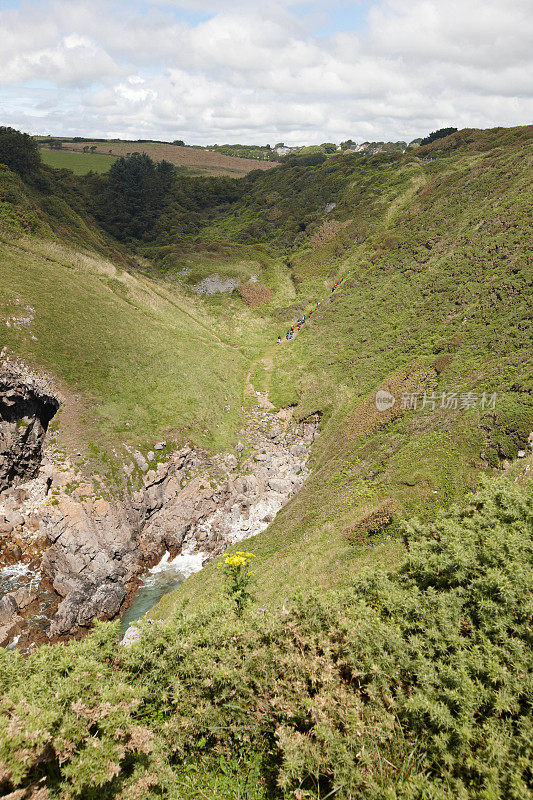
235,561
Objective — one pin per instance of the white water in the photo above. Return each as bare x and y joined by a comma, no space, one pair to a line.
16,575
166,576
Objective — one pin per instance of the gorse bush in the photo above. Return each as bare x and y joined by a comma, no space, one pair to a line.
411,684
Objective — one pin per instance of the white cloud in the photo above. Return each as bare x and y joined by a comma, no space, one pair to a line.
260,74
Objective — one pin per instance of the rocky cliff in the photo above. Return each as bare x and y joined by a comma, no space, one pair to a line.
26,408
94,551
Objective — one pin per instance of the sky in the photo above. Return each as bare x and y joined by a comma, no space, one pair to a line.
208,71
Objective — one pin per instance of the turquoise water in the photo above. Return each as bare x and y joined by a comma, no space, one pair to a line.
163,578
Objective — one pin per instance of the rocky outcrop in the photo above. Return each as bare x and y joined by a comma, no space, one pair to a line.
26,408
91,559
11,622
85,554
195,502
215,283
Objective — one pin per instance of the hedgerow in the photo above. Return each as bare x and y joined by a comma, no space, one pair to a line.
409,684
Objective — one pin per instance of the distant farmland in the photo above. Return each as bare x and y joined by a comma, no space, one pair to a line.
194,159
80,163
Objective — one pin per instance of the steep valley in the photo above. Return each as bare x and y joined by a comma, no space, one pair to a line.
376,459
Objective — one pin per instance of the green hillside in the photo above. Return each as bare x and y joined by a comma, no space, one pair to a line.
136,350
138,359
435,300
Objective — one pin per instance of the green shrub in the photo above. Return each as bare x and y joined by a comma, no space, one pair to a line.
412,684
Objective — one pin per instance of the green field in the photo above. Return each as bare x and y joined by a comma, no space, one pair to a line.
79,163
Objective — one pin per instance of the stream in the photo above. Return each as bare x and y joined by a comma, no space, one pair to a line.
165,577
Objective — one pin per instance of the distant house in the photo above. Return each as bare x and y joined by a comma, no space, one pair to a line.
283,151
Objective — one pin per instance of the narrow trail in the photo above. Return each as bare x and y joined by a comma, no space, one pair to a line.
266,361
295,329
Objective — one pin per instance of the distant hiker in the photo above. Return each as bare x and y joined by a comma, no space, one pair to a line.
279,339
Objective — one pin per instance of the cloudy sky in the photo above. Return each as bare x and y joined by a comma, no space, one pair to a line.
210,71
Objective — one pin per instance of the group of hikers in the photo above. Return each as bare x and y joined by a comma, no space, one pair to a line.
301,321
298,324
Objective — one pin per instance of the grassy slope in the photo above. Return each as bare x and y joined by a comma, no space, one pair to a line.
79,163
138,358
436,262
123,340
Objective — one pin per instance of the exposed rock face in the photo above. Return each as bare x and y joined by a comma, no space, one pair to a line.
10,620
195,502
215,283
26,409
91,558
